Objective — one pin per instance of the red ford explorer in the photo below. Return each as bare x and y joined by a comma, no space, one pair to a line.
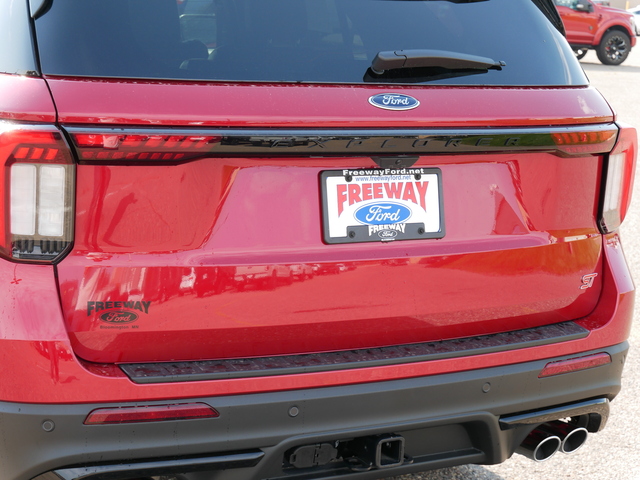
299,239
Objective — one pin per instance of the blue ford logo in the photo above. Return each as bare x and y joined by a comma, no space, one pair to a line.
382,213
393,101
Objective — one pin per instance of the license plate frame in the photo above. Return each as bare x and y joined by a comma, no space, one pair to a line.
375,204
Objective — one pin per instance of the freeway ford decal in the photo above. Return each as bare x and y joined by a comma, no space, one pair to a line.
118,315
382,205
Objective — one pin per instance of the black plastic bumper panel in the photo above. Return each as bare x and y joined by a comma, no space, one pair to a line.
160,467
597,408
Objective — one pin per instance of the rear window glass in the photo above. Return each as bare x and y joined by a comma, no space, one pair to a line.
314,41
16,50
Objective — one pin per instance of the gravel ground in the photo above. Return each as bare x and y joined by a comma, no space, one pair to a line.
614,453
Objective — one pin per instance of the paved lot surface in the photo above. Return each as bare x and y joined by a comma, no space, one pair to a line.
613,454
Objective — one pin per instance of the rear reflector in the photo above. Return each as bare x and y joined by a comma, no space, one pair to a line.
618,186
36,210
575,364
150,413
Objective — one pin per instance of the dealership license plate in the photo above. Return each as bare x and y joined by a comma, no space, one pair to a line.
373,205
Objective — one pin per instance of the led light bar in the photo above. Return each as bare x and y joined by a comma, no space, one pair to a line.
585,142
132,147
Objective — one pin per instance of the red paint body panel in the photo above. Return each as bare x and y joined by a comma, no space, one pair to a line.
181,239
38,366
28,99
116,102
208,249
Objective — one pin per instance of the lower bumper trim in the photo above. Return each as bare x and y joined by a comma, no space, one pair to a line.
160,467
597,409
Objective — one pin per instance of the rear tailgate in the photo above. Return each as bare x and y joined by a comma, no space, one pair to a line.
200,256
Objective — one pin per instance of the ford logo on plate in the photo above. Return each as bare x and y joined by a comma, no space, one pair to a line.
383,213
387,234
119,317
393,101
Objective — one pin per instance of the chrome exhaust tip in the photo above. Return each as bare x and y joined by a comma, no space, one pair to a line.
574,440
572,436
540,445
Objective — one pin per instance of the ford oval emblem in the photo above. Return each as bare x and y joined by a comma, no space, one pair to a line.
382,213
119,317
387,234
393,101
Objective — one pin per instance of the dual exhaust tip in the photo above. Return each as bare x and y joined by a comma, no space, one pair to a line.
549,438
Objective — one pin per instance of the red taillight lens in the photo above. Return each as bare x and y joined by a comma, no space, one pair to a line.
587,142
618,180
37,179
150,413
575,364
142,147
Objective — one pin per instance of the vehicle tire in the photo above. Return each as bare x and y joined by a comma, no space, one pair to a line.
614,47
580,52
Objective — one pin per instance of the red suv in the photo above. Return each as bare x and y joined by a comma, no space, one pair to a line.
589,25
295,239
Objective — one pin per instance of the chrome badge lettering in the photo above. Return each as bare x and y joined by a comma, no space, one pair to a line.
587,281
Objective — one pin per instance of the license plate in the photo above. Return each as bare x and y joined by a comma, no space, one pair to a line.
374,205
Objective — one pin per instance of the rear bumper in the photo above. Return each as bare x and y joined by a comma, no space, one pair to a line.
439,407
445,420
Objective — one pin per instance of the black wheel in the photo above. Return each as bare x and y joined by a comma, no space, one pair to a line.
614,48
580,52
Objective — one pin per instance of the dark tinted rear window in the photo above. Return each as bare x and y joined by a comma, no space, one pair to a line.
301,40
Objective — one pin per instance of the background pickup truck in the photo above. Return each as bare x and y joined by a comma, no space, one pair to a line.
609,31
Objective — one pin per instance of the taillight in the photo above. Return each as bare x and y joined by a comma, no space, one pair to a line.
572,142
142,147
618,180
37,177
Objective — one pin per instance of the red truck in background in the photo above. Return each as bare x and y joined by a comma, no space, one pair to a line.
589,25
